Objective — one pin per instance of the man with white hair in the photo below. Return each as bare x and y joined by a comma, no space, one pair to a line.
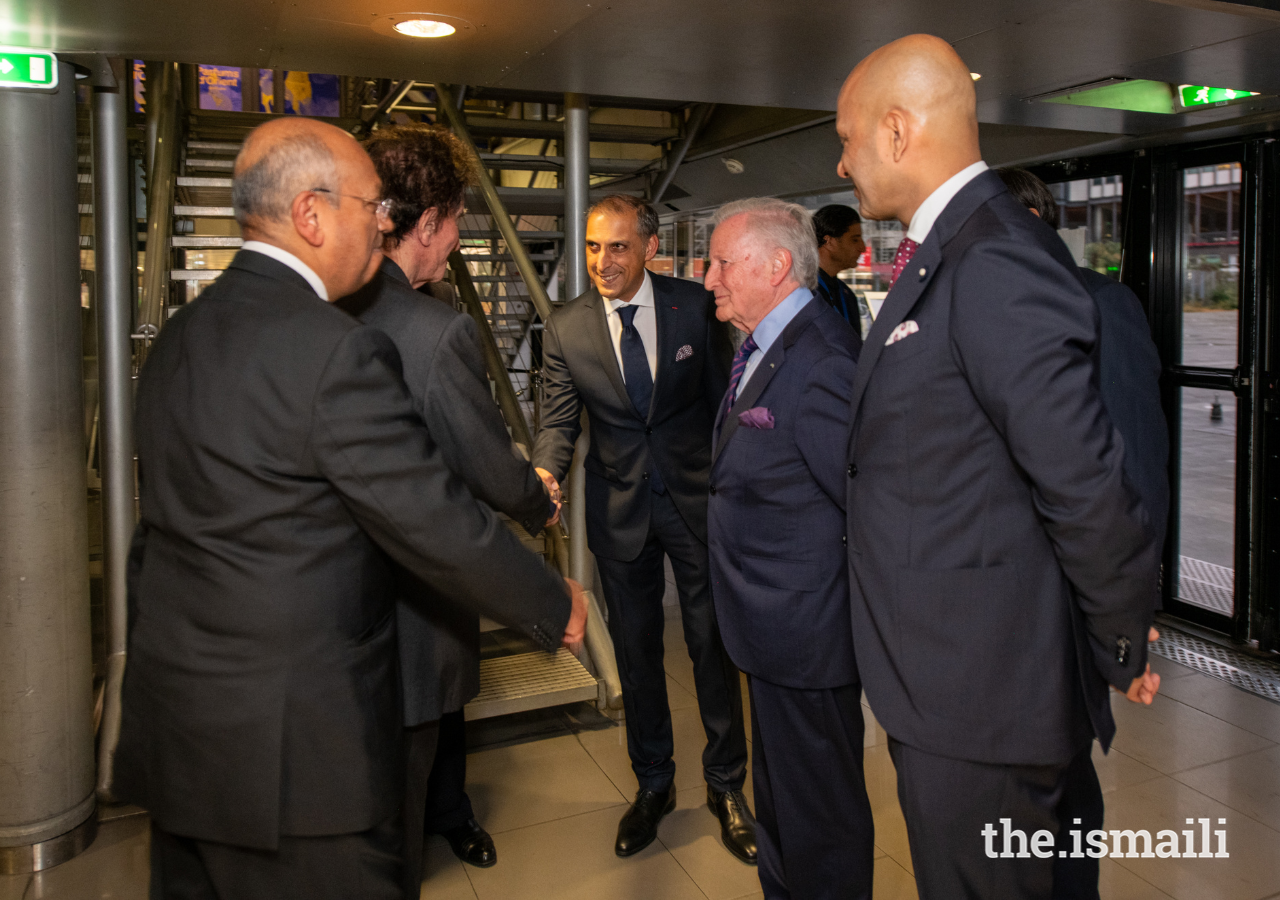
776,523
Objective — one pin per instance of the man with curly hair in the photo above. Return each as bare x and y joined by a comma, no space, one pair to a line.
425,172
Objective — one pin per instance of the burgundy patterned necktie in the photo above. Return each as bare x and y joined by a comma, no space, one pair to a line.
906,250
735,374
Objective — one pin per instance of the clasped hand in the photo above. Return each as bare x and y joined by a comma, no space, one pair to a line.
553,490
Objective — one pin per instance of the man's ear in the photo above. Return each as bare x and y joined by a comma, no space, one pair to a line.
898,127
306,219
428,225
780,267
651,247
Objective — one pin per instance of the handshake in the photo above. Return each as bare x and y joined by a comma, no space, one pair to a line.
576,630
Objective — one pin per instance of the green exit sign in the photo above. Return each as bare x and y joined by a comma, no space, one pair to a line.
20,68
1194,95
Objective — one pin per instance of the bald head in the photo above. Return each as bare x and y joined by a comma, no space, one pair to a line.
907,118
309,188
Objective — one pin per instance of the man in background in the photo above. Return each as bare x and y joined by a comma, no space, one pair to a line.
644,356
282,466
779,575
840,246
1002,563
425,172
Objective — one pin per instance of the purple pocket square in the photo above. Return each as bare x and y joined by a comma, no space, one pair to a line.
756,417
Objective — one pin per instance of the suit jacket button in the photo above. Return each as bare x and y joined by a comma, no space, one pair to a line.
648,431
853,470
712,490
645,476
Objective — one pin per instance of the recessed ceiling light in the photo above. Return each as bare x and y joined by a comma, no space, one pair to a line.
734,166
424,28
974,75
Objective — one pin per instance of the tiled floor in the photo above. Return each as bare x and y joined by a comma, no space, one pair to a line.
551,787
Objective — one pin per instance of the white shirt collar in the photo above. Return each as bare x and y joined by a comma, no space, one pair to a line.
284,256
935,203
643,297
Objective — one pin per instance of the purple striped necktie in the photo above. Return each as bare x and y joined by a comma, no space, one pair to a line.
735,374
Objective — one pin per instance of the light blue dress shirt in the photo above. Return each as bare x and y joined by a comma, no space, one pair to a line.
771,327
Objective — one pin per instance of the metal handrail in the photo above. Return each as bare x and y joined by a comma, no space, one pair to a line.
161,180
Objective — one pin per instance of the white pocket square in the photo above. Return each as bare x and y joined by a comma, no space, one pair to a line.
684,353
907,328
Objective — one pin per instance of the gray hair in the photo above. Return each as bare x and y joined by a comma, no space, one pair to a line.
265,190
778,225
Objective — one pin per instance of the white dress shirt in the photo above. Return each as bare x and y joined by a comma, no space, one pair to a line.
284,256
645,322
935,203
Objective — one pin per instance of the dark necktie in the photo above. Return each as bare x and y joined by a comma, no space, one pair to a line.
906,250
635,371
735,374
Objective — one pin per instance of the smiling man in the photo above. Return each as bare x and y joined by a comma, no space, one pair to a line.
645,357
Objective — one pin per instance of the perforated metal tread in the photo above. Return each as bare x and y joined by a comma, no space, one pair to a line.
1206,585
1244,672
511,684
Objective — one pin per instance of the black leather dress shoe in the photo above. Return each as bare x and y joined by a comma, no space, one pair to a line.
737,825
472,844
639,825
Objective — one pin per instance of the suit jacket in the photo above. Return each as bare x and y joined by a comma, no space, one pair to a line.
444,371
776,516
843,300
1001,562
1130,379
283,468
580,371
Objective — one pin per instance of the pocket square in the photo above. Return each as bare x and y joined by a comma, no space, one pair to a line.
907,328
684,353
756,417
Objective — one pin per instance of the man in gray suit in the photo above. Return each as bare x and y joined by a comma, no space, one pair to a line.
425,173
1001,565
282,467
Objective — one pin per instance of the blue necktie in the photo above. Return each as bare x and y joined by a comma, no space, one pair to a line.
635,371
735,375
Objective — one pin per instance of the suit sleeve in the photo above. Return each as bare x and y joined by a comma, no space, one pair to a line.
468,428
822,423
561,408
370,444
1024,332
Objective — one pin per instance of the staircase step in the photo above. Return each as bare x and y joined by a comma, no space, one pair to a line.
506,257
206,242
205,212
194,274
532,128
525,681
486,235
219,164
203,181
214,146
599,166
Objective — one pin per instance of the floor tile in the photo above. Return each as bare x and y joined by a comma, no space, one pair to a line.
873,734
882,790
13,887
1115,882
608,748
692,834
1116,770
679,697
1170,736
1249,784
892,882
573,859
1227,702
116,866
1251,872
522,784
1167,668
444,875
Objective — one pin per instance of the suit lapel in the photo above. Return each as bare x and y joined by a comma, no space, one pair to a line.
915,279
768,366
601,340
666,314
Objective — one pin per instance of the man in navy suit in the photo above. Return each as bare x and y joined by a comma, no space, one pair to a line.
776,520
1001,561
645,357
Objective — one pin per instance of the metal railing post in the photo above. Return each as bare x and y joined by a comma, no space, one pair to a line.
160,191
577,185
113,248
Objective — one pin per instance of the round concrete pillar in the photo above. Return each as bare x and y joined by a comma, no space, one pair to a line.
46,705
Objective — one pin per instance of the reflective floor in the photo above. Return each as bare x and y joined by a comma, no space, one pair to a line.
551,787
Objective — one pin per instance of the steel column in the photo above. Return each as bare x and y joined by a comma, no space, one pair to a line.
113,250
577,184
47,799
160,188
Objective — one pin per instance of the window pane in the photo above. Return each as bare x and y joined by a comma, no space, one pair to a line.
1207,507
1212,219
1090,222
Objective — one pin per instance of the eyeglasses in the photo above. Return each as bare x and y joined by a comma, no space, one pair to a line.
380,208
